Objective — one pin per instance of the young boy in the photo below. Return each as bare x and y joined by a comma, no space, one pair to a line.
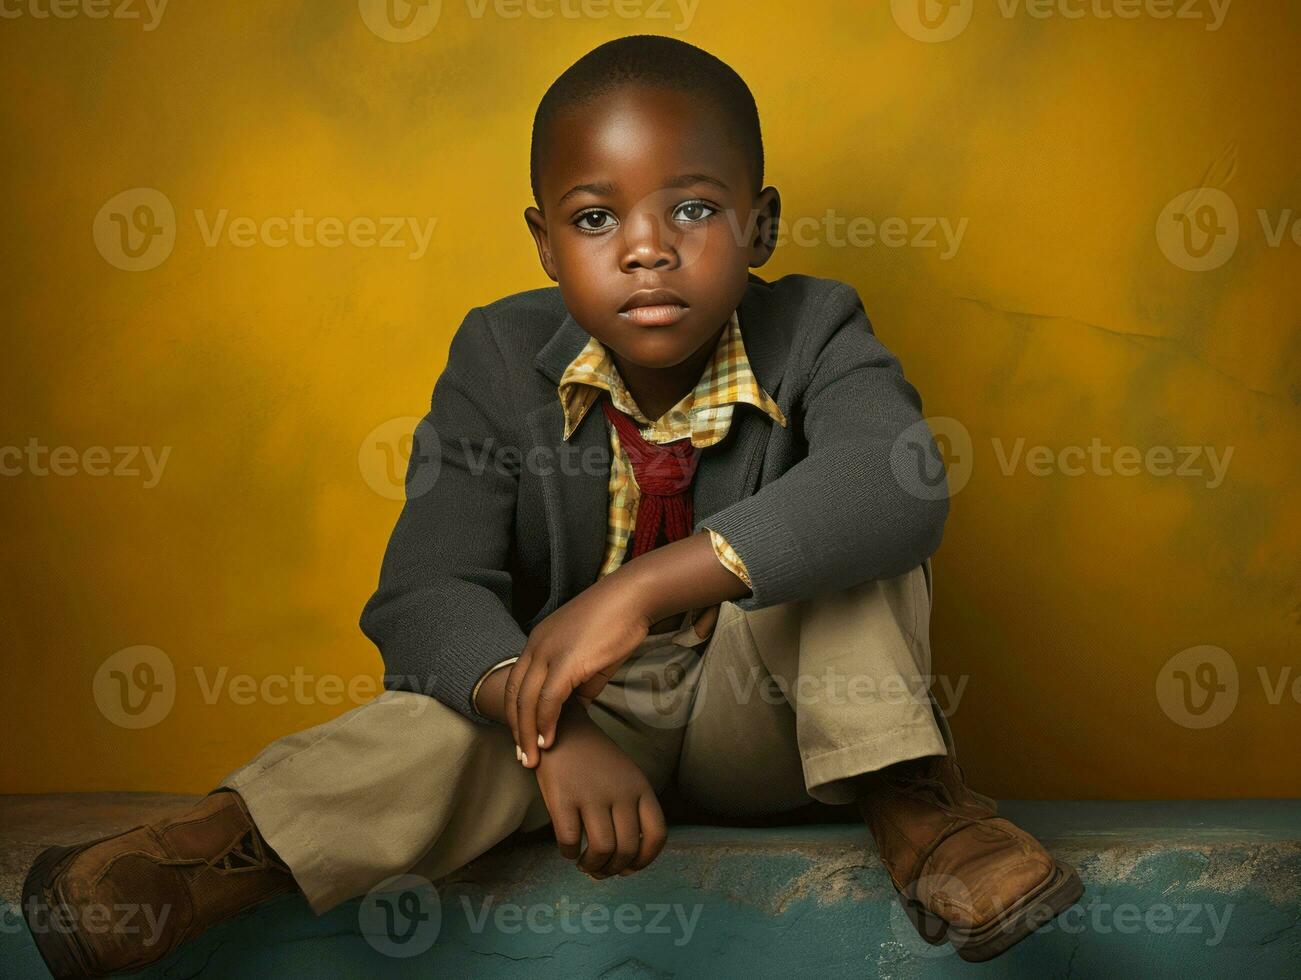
634,496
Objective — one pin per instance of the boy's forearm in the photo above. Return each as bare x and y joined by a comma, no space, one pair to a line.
667,580
673,578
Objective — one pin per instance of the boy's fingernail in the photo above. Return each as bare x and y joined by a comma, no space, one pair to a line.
541,742
519,755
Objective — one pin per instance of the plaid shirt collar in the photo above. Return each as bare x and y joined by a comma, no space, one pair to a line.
704,413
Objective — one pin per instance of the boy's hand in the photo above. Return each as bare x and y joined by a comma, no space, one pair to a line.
575,649
588,783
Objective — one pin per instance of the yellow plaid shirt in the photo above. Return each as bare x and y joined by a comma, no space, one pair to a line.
704,415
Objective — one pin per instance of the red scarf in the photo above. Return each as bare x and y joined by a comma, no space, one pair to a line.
664,473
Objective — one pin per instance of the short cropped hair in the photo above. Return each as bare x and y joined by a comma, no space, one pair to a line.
655,61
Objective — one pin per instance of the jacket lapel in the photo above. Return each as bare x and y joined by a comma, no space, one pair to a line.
729,471
574,475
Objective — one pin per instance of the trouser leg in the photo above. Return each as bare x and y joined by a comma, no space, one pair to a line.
405,783
795,700
367,795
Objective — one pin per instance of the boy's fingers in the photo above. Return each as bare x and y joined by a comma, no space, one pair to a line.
550,702
600,838
511,693
627,828
569,832
527,711
705,624
654,832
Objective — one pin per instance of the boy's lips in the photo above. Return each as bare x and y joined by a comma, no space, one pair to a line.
655,316
654,308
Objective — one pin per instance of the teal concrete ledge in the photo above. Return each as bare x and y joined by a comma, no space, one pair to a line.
1182,889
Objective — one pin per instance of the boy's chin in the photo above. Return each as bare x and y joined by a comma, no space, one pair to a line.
657,354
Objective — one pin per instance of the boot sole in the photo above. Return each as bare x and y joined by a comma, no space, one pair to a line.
58,949
1058,892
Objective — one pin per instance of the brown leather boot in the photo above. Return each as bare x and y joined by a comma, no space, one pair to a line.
962,872
123,902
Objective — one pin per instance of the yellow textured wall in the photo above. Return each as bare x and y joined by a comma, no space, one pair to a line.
1071,310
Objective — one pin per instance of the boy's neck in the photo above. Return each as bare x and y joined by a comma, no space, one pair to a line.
656,390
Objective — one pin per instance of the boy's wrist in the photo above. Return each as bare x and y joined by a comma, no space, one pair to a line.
490,698
489,695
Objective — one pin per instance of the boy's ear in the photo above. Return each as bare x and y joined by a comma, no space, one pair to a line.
538,229
767,214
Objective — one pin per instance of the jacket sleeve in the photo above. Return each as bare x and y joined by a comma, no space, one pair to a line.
441,614
869,499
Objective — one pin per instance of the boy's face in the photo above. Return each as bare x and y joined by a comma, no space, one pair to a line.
646,189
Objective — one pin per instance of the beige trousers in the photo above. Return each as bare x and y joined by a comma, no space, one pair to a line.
776,706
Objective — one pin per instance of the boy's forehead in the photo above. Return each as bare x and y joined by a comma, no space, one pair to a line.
639,136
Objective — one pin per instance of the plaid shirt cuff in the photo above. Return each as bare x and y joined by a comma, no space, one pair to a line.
730,559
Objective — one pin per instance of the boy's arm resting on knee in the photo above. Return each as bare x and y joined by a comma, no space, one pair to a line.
441,614
848,512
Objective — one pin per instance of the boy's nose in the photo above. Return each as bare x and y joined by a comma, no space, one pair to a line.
647,245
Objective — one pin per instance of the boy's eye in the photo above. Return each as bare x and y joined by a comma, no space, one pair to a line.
692,211
594,221
688,212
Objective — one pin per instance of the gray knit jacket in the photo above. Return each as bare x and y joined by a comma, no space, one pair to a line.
504,521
